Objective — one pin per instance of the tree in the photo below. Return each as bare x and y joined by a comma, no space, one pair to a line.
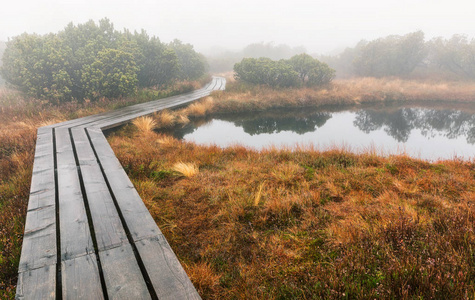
113,74
3,45
94,60
266,71
456,55
390,56
320,75
299,70
310,70
34,64
303,64
158,65
192,65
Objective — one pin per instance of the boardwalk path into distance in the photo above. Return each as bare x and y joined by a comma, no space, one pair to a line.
88,234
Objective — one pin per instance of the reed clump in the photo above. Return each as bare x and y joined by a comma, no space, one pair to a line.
186,169
164,119
145,124
200,109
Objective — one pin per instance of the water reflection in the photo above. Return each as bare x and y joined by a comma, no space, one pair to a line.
401,122
428,132
274,123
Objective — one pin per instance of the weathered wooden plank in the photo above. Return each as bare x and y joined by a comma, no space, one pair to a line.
168,277
74,228
138,219
146,110
42,183
122,274
39,241
80,278
37,284
106,221
90,119
136,110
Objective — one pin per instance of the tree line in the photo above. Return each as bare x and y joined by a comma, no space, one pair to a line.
91,61
299,70
408,55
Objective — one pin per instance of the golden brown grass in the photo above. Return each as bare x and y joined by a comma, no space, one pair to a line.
145,124
199,109
186,169
182,120
242,97
164,119
281,224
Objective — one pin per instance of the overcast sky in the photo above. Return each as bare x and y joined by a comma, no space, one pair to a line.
319,26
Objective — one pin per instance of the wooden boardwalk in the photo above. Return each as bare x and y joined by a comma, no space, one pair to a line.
88,234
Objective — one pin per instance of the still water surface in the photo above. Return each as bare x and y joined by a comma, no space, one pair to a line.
423,132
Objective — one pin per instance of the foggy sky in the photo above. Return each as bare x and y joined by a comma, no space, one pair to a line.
319,26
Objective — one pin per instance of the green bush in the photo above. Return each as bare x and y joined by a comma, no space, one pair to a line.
299,70
90,61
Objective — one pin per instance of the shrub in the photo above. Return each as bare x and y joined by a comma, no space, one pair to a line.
299,70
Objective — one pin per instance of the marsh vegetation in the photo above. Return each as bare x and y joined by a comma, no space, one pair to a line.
270,223
281,224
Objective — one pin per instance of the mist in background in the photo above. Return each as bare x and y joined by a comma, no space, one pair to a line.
214,26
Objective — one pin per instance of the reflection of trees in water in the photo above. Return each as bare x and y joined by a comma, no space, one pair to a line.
276,124
432,122
179,132
265,122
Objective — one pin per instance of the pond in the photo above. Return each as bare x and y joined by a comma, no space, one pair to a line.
429,132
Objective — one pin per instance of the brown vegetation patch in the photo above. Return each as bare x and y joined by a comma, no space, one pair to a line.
240,97
278,224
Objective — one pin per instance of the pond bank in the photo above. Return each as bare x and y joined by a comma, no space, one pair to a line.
240,97
424,131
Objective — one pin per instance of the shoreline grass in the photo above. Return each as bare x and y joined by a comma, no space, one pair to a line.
240,97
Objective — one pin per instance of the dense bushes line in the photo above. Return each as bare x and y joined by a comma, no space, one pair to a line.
299,70
90,61
409,54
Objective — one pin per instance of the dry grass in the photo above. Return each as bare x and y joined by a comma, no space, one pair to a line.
182,120
164,119
200,109
186,169
281,224
240,97
145,124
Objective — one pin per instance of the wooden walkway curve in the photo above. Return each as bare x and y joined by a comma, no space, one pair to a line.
88,234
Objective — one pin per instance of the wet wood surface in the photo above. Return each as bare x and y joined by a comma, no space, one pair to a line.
88,234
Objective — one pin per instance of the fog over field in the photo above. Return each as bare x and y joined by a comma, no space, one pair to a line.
320,26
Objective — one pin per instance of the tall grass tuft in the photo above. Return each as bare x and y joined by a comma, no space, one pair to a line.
200,109
186,169
145,124
164,119
182,119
